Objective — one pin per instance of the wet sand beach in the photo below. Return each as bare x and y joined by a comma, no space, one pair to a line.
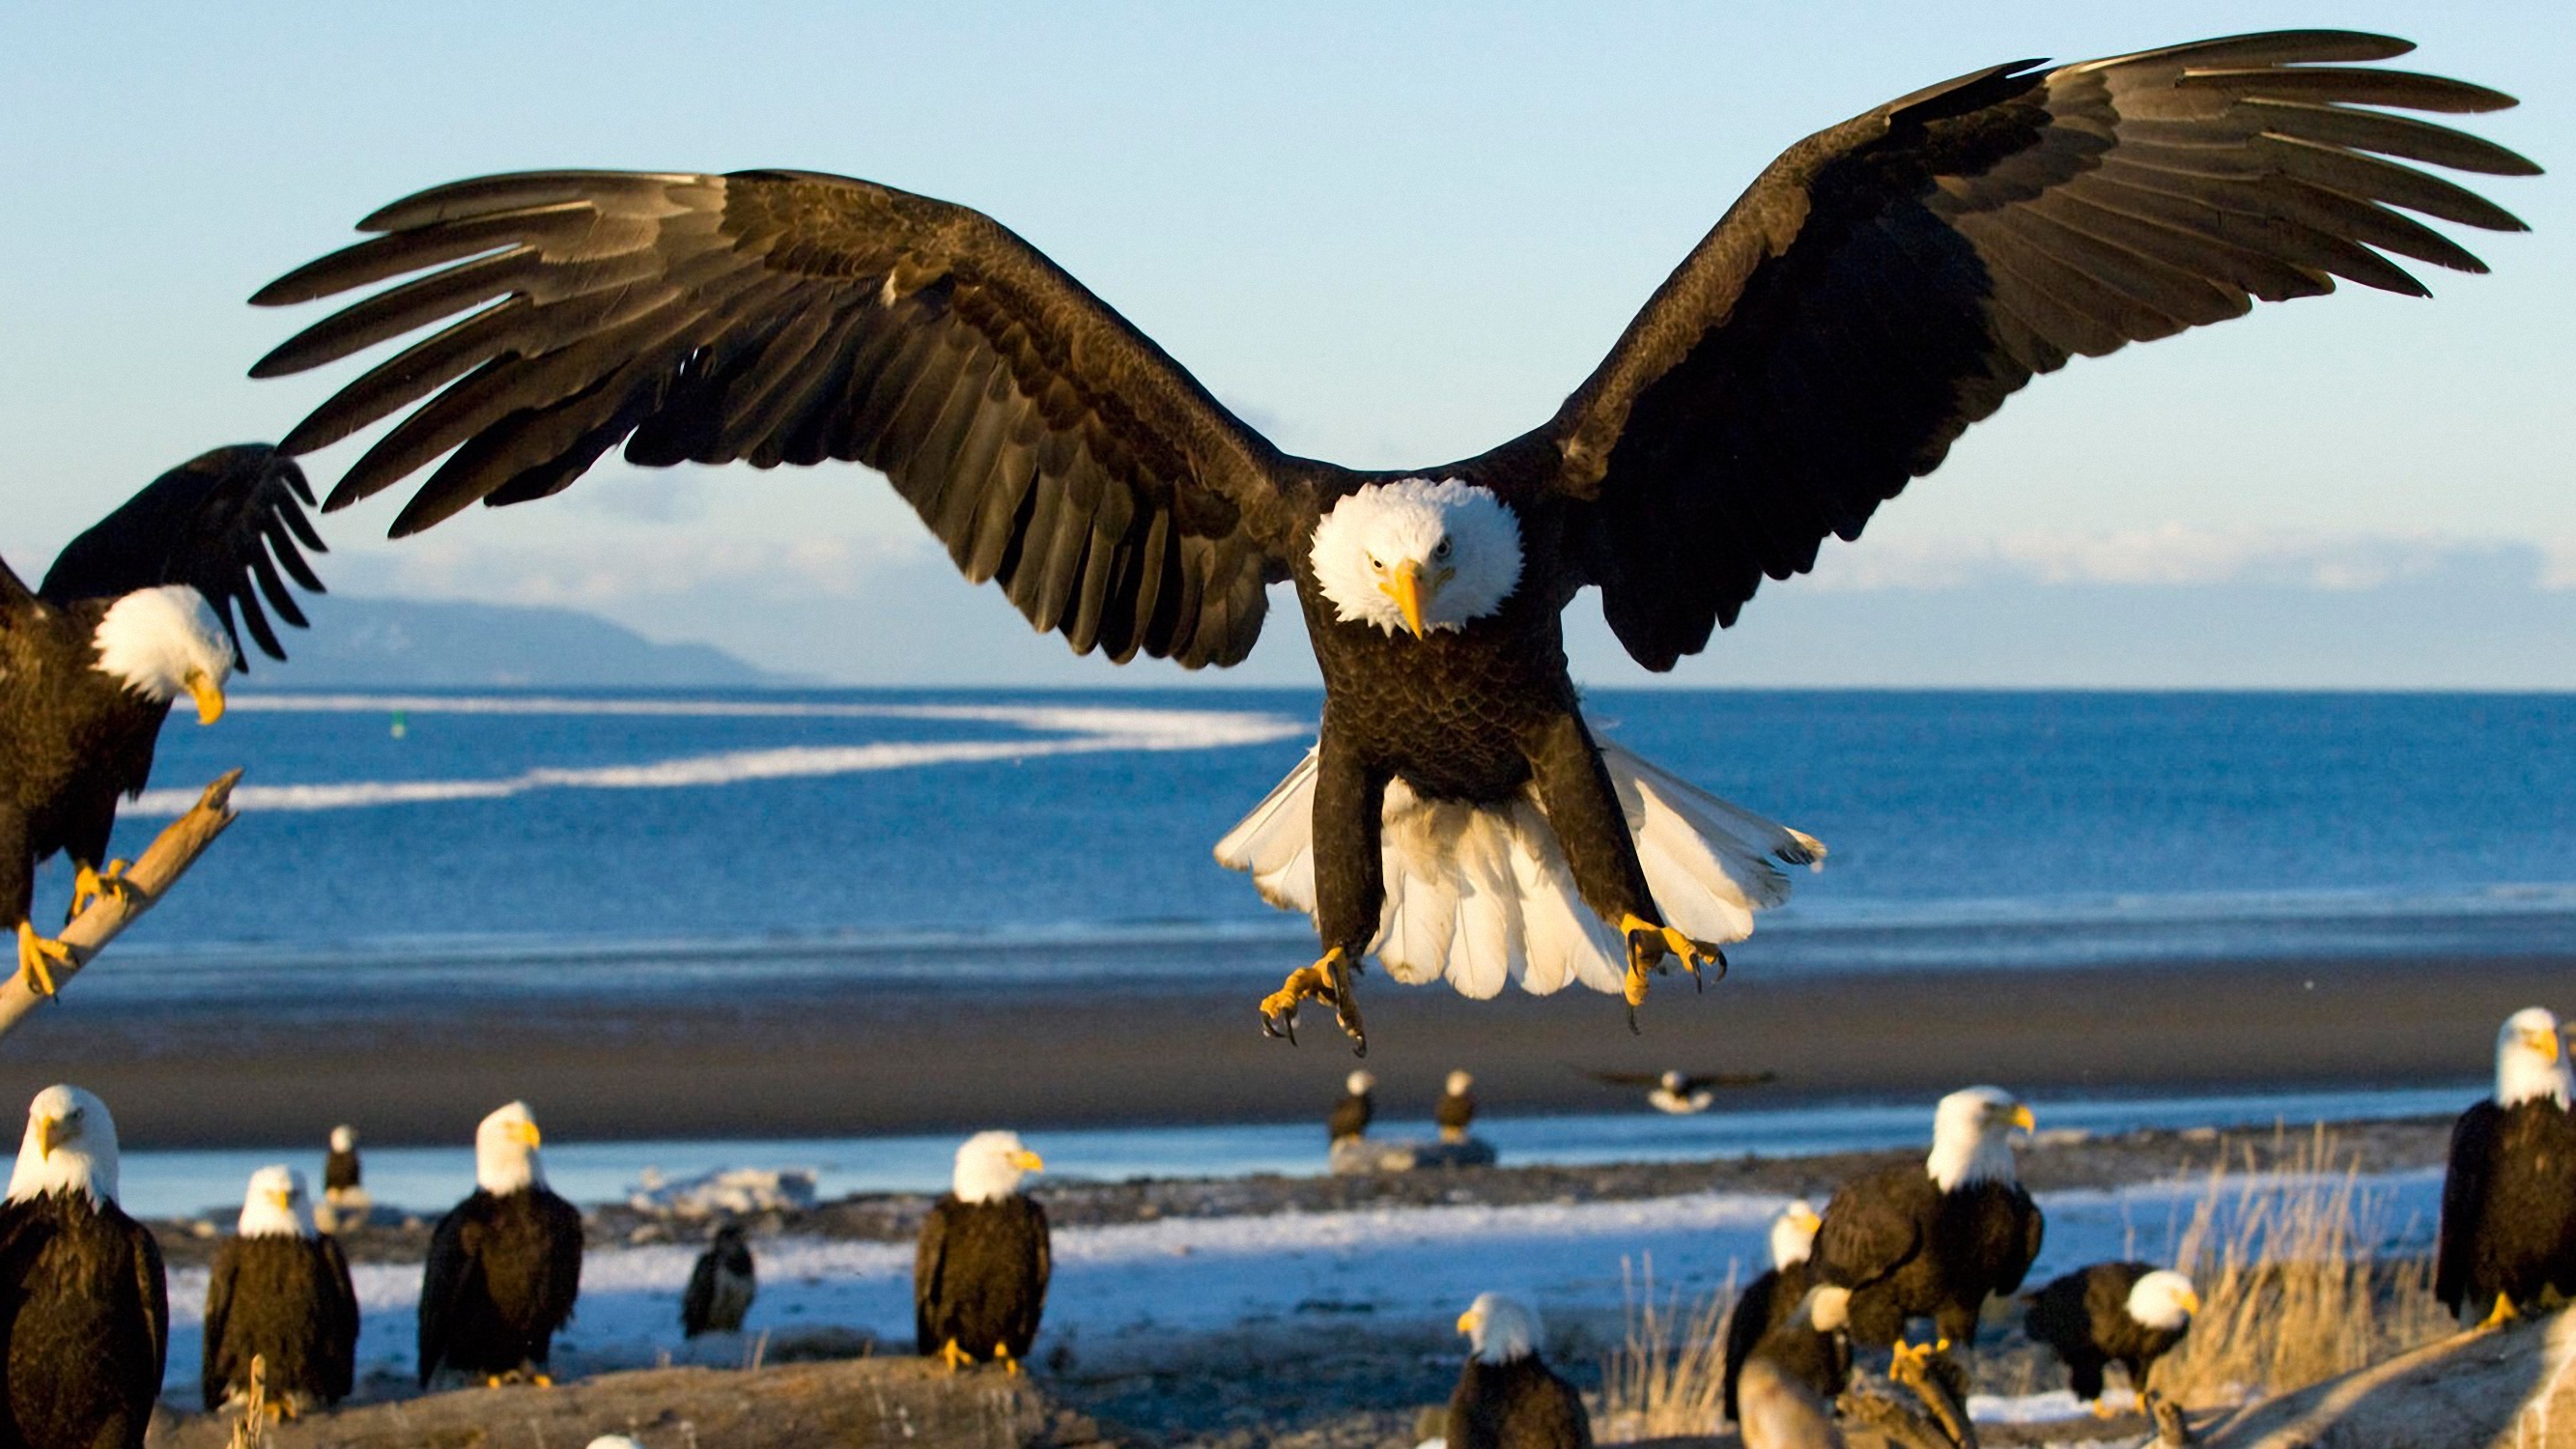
826,1059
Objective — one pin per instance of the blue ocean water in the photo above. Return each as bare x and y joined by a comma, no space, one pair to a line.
632,838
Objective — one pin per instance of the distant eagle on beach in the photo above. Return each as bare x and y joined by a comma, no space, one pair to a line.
84,1307
980,1271
280,1292
1934,1239
1351,1115
504,1264
2509,1197
1455,1113
1883,285
135,613
721,1286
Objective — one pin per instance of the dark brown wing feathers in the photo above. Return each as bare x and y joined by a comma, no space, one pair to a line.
1891,280
785,317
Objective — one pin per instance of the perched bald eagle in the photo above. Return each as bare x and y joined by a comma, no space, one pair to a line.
1507,1397
721,1286
1358,1107
345,1201
1682,1093
134,613
84,1311
504,1264
2509,1198
1933,1241
1769,1302
979,1275
1884,284
1455,1112
280,1291
2130,1314
1783,1396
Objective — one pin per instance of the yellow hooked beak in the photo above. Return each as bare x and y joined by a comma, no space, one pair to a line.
1028,1162
49,1135
527,1133
2022,1119
283,1200
1807,1219
2543,1042
1413,590
1467,1321
208,694
2190,1302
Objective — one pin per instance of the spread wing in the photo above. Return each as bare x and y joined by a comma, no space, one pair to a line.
788,317
1891,280
1628,1079
2464,1201
219,523
1699,1080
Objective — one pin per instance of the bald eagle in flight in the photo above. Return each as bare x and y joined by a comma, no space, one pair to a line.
504,1264
280,1292
1933,1240
1881,286
134,613
84,1308
2509,1196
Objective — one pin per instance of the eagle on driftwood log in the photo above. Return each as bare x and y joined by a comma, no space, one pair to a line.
1883,284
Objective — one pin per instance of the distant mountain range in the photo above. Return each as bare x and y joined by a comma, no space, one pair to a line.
413,642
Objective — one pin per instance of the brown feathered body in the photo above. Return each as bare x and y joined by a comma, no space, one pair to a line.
1909,1249
2084,1318
84,1324
286,1299
1519,1403
504,1270
2508,1207
979,1276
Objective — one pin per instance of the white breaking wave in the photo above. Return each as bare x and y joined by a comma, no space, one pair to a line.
1482,895
1079,729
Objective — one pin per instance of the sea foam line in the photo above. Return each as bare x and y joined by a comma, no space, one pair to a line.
1085,730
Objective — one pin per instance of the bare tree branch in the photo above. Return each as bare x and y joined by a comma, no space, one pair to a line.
168,857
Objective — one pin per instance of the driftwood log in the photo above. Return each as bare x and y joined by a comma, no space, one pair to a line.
151,876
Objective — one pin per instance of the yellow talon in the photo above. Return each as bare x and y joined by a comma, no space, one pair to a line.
2504,1313
1329,979
37,958
2102,1410
956,1358
89,885
1002,1356
1910,1363
1648,946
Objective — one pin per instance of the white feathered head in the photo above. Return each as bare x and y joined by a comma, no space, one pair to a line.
165,642
2163,1299
505,1151
1417,555
2531,1062
1499,1328
990,1166
70,1146
275,1206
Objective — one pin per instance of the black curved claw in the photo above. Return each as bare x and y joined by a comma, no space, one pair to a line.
1633,1029
1720,954
1282,1025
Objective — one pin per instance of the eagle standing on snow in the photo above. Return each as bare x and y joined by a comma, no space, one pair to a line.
504,1264
979,1273
134,613
721,1286
1934,1241
280,1291
2509,1197
1883,284
1507,1397
84,1309
2130,1314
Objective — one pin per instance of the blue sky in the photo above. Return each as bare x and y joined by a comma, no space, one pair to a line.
1385,234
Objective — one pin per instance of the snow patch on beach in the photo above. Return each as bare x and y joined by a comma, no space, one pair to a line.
1128,1290
1065,730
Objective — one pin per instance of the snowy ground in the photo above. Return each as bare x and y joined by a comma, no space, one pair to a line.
1134,1292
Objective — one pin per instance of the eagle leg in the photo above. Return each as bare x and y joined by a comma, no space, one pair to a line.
1002,1355
2503,1313
37,958
1912,1364
956,1358
1648,946
89,885
1328,979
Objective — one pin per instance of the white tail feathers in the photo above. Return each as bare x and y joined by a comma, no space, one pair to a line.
1482,894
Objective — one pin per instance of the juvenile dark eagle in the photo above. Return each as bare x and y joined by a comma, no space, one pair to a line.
2509,1197
1933,1241
135,613
504,1265
721,1286
1881,286
280,1292
979,1273
84,1309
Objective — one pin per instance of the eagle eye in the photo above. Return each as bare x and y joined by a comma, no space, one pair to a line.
1442,551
